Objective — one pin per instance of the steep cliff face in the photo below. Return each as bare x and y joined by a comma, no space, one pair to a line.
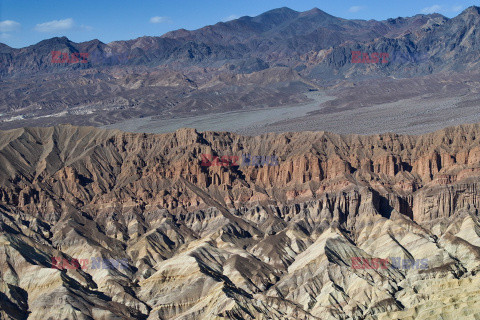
42,167
238,242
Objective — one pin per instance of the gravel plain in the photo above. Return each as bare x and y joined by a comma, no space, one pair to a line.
415,115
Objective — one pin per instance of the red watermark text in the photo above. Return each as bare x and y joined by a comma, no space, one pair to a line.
364,57
65,57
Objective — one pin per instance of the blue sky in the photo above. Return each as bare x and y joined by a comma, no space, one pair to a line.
26,22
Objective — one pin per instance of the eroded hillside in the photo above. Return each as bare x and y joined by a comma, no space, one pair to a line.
238,242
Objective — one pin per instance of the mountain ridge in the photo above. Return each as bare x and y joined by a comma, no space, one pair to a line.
238,31
141,77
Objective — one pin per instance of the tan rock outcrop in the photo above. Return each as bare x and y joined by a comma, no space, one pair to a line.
238,242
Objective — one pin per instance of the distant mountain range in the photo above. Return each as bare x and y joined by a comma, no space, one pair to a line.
108,224
313,41
188,72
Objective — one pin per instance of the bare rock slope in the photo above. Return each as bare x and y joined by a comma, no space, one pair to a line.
238,242
248,63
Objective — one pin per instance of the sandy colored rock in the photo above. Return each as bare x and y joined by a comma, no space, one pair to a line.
239,242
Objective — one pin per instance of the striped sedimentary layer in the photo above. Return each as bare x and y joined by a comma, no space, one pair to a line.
238,242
